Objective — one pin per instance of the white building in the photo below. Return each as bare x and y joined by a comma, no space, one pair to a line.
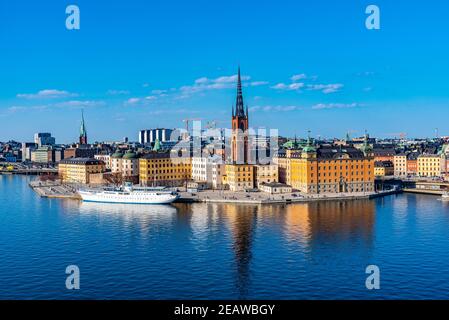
208,169
199,170
127,164
218,170
150,135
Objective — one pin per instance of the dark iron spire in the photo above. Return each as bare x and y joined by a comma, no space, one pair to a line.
239,107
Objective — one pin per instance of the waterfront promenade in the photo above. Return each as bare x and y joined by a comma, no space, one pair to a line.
51,189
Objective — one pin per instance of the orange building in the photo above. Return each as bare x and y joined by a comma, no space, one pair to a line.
412,164
332,169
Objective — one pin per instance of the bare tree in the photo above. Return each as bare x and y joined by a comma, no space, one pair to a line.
114,178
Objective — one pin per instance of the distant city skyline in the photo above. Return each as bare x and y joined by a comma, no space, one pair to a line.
138,65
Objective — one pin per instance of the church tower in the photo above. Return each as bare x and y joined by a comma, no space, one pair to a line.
83,132
239,151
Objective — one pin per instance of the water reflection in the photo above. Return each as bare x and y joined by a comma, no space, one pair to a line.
311,230
331,226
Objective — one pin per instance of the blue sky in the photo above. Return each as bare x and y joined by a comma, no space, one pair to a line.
143,64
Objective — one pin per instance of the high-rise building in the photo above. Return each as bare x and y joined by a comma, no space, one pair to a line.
83,132
44,139
151,135
27,149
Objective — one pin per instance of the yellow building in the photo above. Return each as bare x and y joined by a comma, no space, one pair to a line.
383,168
78,170
331,169
429,165
164,169
283,161
400,165
239,177
265,173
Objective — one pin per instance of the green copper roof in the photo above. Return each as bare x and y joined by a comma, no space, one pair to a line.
309,147
129,155
117,155
157,145
366,148
83,132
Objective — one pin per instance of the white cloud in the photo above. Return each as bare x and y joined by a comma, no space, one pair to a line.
297,77
14,109
47,94
132,101
275,108
205,84
325,88
158,92
258,83
117,92
288,87
322,106
81,103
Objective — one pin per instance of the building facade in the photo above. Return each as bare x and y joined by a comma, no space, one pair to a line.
199,169
332,169
161,169
239,177
78,170
44,139
384,168
150,135
265,174
106,158
126,164
400,165
429,165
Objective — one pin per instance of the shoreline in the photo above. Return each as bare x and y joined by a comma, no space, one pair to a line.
62,191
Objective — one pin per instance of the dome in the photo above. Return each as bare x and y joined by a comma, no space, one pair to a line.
117,155
129,155
309,148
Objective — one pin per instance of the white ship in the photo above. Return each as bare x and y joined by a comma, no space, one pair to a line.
129,195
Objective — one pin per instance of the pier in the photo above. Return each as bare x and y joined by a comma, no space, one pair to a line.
54,190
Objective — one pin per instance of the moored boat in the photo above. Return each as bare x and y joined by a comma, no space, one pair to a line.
129,194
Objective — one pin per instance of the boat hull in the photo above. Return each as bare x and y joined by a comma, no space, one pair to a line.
133,198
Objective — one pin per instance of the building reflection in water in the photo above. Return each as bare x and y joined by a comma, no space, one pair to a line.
306,229
338,222
243,221
331,226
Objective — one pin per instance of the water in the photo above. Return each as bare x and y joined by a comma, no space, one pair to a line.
209,251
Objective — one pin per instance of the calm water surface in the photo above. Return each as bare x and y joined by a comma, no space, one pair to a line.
210,251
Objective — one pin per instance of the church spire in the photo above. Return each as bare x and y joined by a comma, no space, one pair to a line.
83,133
239,107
